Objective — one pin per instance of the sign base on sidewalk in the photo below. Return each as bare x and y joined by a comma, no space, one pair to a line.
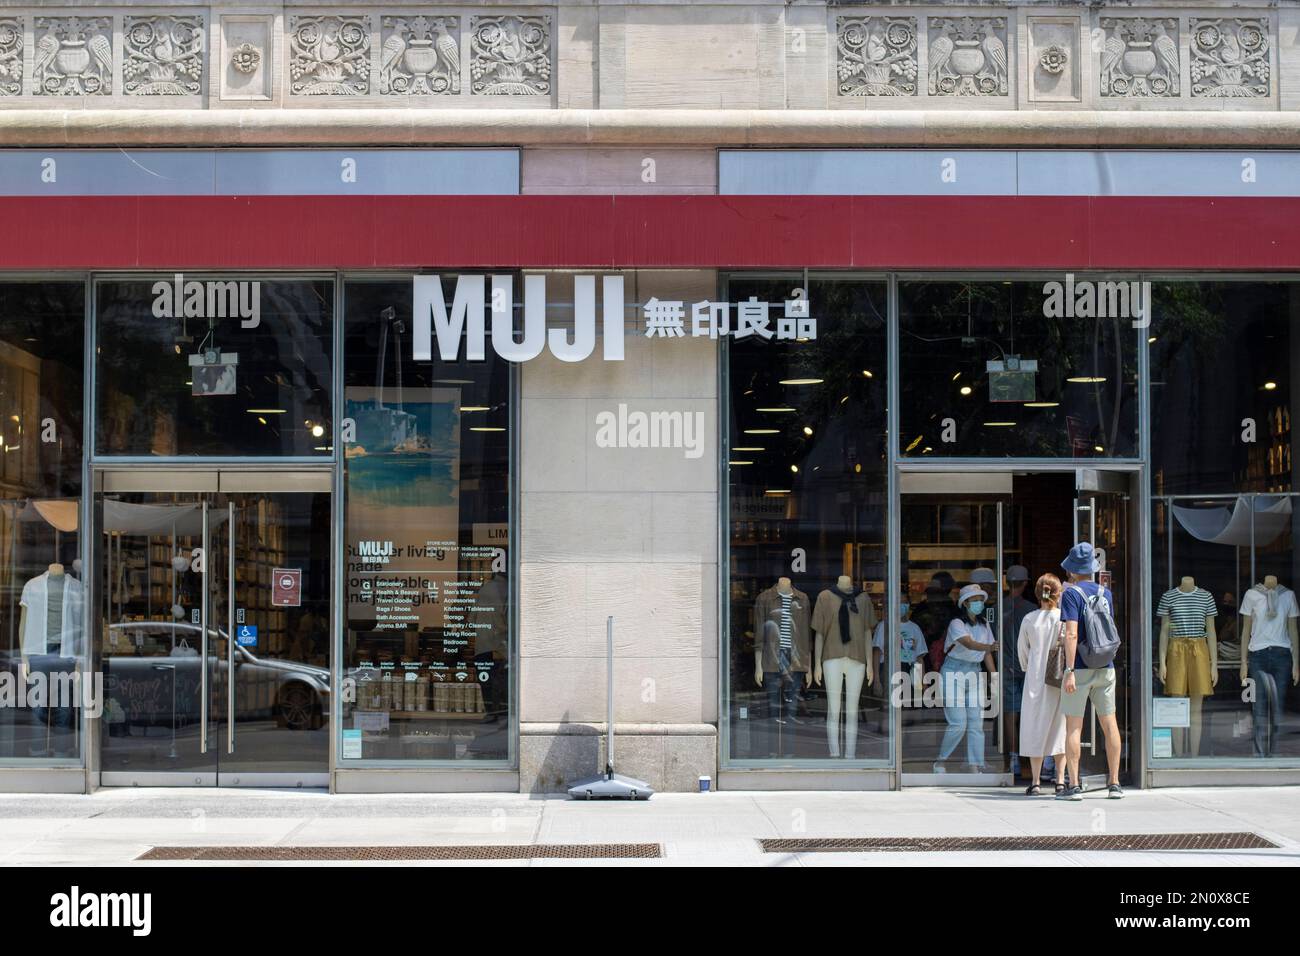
611,786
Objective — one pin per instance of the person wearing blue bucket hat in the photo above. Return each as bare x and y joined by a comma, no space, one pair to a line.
1081,683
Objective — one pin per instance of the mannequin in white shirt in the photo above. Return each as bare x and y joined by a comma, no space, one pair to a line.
55,570
1264,668
1191,742
1270,582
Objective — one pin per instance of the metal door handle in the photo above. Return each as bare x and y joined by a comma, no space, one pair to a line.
230,637
203,636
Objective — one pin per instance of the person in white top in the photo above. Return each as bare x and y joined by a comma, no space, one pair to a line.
1042,724
968,649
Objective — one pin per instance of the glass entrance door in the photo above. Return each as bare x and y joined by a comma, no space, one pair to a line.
185,562
950,694
1102,517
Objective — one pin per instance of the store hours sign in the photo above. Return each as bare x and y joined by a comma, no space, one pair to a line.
436,321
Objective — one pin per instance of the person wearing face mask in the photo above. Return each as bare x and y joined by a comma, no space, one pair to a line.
912,647
968,650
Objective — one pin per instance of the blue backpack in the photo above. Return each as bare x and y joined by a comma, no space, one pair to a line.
1099,642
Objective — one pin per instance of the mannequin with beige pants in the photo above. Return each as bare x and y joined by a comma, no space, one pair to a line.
843,621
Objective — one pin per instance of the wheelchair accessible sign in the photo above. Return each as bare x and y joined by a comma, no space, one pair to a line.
246,635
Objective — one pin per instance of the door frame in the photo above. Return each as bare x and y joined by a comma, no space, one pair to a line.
202,476
969,474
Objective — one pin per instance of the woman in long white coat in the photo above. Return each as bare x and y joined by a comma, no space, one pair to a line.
1042,725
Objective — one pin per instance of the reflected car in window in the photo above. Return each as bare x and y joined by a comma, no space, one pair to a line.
152,677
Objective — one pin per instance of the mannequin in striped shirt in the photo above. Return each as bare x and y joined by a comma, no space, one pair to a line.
1189,654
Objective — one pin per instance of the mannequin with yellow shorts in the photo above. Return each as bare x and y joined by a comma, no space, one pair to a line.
1189,654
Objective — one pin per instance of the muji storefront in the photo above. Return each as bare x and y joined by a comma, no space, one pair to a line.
325,467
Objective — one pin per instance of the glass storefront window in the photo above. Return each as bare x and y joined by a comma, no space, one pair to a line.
807,491
41,353
1224,637
213,365
427,599
992,369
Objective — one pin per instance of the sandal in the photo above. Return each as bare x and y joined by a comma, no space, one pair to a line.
1060,788
1033,790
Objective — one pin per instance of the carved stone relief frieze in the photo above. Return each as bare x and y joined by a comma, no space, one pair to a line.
73,56
1230,57
420,55
968,56
329,55
163,55
876,56
1139,57
11,56
510,55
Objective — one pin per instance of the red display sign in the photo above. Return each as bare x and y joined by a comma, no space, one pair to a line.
286,587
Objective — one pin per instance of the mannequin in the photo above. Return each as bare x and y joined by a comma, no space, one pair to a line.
55,582
782,616
49,625
1189,653
1270,653
843,621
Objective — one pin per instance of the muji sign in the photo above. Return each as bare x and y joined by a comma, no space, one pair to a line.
467,318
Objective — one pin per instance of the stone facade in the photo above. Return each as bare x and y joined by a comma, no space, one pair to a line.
740,54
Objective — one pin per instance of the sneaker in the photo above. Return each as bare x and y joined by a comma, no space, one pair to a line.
939,768
1115,792
1070,793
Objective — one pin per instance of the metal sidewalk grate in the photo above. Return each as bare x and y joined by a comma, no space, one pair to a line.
1142,841
308,854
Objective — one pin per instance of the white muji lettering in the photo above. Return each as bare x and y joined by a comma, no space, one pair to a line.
657,429
432,320
76,909
209,299
49,170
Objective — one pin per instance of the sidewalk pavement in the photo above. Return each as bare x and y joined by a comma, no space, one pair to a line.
113,827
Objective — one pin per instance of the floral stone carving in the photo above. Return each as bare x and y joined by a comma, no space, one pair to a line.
1230,57
73,57
246,58
420,55
329,55
1054,59
1139,57
164,56
510,55
876,56
11,56
968,56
